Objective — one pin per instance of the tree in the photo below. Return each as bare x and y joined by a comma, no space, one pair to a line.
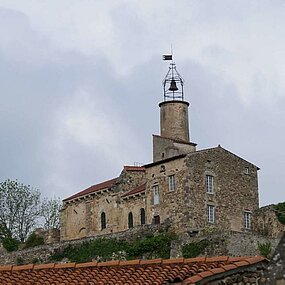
49,211
19,208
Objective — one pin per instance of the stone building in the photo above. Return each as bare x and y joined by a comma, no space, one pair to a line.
191,190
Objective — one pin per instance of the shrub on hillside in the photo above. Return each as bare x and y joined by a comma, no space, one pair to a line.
194,249
10,244
103,249
265,249
34,240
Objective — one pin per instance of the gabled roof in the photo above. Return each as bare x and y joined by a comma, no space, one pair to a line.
135,191
106,184
157,271
197,152
103,185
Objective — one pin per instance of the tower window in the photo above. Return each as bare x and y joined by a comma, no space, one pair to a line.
211,213
142,216
171,180
103,221
130,220
156,195
210,184
247,220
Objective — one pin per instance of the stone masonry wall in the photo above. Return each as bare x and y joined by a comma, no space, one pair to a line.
265,222
170,206
42,254
275,273
82,218
235,190
227,243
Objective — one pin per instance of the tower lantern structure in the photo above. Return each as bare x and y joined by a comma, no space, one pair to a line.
170,89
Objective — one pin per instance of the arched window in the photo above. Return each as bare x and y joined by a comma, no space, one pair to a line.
130,220
103,221
142,216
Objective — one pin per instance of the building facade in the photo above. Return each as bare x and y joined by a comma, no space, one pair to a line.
191,190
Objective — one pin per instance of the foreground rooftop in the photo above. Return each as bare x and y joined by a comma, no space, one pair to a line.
157,271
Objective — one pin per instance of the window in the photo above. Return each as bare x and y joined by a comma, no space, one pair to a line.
130,220
246,170
171,180
142,216
156,220
210,184
155,195
247,220
211,213
103,221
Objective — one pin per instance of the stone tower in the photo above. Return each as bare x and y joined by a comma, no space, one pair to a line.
174,136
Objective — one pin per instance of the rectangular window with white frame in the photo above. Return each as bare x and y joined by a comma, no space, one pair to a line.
171,180
211,213
155,194
247,220
210,184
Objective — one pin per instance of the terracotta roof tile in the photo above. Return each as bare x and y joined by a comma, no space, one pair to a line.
86,264
6,267
44,266
135,191
134,168
94,188
156,271
196,259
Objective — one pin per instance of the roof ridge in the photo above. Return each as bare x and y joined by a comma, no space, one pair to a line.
230,262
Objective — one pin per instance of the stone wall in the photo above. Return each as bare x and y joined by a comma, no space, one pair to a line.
250,275
49,236
42,254
265,222
275,273
171,204
235,190
226,243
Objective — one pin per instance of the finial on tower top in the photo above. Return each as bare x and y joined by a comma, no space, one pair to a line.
170,90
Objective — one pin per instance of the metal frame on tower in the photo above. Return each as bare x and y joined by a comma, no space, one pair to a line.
170,89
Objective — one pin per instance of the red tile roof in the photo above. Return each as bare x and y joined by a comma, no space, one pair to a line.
135,191
156,271
103,185
134,168
94,188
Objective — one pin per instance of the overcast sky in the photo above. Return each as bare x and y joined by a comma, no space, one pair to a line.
80,83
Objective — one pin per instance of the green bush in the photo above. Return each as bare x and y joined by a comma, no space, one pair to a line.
194,249
106,249
20,261
265,249
10,244
280,212
34,240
